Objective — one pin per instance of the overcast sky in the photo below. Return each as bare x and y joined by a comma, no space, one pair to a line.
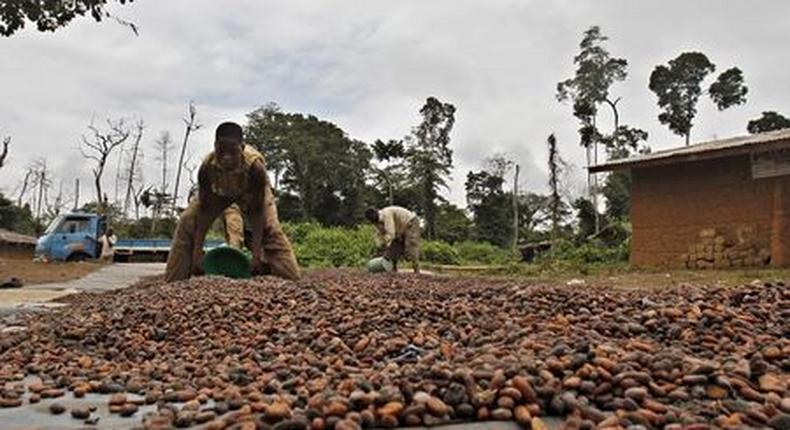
368,66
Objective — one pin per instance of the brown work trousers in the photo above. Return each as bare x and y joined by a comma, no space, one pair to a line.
278,253
407,245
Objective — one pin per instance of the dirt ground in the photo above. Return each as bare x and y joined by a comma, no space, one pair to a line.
22,266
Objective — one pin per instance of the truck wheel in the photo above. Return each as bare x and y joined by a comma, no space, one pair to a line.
78,256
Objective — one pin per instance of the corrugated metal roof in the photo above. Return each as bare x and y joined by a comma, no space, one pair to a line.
703,150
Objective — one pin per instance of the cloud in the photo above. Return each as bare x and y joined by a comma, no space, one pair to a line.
368,66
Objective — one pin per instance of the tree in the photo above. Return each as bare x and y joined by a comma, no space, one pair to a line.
678,87
429,157
316,163
51,15
190,126
4,153
98,149
596,72
585,216
391,174
452,224
555,170
134,173
164,144
769,121
488,202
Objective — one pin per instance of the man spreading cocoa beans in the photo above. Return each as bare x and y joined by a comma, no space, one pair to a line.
399,234
232,182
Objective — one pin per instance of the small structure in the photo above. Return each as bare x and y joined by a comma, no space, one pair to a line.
16,244
718,204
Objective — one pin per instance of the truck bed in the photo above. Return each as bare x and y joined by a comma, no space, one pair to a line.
150,249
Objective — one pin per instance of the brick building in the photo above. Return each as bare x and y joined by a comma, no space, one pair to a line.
718,204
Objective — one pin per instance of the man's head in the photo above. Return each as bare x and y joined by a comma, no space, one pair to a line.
372,215
228,145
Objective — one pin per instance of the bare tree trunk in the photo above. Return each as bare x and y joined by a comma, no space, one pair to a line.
515,209
132,164
41,184
24,187
4,154
191,125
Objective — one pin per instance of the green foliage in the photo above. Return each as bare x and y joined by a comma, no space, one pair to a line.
429,158
491,206
482,253
48,15
596,72
20,220
679,86
617,190
452,224
585,216
769,121
314,161
729,89
144,228
588,252
439,252
317,246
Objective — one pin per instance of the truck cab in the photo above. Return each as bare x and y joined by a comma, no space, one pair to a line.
72,237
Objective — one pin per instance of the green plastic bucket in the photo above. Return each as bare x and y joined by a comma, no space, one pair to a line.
378,265
227,261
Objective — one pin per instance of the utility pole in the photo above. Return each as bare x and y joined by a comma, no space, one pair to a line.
515,209
76,194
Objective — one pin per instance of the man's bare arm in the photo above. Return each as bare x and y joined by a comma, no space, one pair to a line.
257,209
211,206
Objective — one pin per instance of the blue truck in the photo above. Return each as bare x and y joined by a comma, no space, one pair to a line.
75,237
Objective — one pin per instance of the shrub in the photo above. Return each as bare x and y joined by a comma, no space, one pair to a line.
482,253
438,252
317,246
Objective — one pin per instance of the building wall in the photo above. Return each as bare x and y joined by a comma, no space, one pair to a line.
700,207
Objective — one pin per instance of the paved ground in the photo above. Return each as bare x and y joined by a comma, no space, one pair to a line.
33,297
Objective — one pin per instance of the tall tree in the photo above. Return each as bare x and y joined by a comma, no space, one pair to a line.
4,153
429,157
769,121
98,148
489,203
556,165
590,87
134,173
164,144
314,161
391,173
678,87
190,126
452,224
51,15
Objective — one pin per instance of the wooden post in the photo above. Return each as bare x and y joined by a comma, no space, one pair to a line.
515,210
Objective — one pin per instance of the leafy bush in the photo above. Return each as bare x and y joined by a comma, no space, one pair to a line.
482,253
439,252
589,252
317,246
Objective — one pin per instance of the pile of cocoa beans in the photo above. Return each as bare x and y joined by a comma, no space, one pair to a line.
345,350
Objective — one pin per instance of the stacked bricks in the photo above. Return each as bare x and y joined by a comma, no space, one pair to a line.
715,250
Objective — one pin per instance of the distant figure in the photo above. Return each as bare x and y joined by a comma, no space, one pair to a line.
108,240
399,233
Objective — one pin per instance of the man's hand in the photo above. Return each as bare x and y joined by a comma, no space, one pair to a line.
257,266
197,262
